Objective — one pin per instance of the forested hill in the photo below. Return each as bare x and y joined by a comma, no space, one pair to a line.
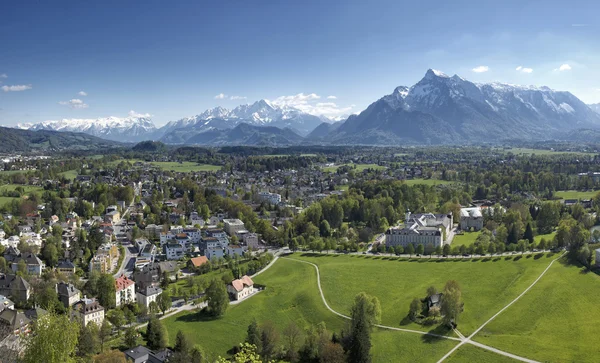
16,140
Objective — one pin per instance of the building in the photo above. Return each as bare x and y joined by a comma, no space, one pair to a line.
251,240
112,217
196,219
68,294
233,225
88,310
148,251
15,287
233,250
147,295
125,290
471,218
212,253
65,267
35,266
16,321
420,229
5,303
193,234
174,251
141,354
101,263
196,262
241,288
153,230
271,198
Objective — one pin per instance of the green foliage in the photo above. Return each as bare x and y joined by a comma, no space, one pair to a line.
156,334
218,299
53,340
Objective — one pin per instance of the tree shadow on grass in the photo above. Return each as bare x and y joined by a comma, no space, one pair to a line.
528,255
538,256
496,259
518,258
405,321
508,258
441,329
487,259
198,316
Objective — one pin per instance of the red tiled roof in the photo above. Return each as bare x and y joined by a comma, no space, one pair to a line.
239,284
199,261
123,282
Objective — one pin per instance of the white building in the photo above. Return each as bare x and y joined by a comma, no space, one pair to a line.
251,240
148,295
193,233
271,198
174,251
420,229
471,218
233,225
125,290
233,250
211,253
88,310
241,288
196,219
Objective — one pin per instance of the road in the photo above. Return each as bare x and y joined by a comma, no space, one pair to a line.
128,263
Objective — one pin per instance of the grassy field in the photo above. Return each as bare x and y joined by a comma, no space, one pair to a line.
11,172
575,194
548,237
471,353
185,167
554,322
292,295
359,167
70,174
526,151
487,284
27,188
427,181
467,238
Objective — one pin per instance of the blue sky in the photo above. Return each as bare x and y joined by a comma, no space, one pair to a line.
171,59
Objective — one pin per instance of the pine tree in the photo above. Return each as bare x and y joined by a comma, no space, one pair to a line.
528,235
156,334
254,335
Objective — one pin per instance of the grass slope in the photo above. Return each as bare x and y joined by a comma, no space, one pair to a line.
487,284
575,194
185,167
554,322
467,238
359,167
471,353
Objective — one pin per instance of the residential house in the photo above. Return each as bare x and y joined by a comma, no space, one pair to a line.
65,267
101,263
212,253
15,320
35,266
11,253
196,219
15,287
233,225
471,218
241,288
174,251
196,262
251,240
193,234
112,217
5,303
88,310
271,198
67,293
147,295
233,250
141,354
153,230
125,290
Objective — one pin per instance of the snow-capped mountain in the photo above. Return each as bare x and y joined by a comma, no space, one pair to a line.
595,107
260,113
444,109
131,128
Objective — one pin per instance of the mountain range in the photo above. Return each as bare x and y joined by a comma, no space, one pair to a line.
439,109
16,140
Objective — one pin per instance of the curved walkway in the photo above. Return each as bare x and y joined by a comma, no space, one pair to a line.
462,338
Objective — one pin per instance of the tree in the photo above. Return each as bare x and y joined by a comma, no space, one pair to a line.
166,280
89,342
399,250
21,267
247,354
182,344
50,254
431,290
410,249
332,353
528,235
254,334
197,355
107,295
415,308
156,334
131,337
112,356
3,265
366,312
420,249
451,302
293,336
105,331
164,301
269,337
116,318
446,250
218,299
53,340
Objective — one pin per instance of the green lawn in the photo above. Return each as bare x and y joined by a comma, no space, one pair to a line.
342,187
292,295
11,172
359,167
185,167
548,237
467,238
575,194
487,284
427,181
527,151
26,188
555,321
70,174
471,353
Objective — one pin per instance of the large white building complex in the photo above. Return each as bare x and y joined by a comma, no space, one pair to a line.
420,229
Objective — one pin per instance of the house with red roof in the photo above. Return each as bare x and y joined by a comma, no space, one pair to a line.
125,290
241,288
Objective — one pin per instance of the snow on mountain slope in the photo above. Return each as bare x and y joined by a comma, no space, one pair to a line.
131,128
595,107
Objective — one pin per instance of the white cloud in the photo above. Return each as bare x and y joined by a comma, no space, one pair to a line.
524,69
74,103
237,97
16,88
563,67
82,93
481,69
331,97
132,113
309,103
3,75
220,96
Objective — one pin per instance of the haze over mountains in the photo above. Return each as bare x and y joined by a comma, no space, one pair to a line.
439,109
